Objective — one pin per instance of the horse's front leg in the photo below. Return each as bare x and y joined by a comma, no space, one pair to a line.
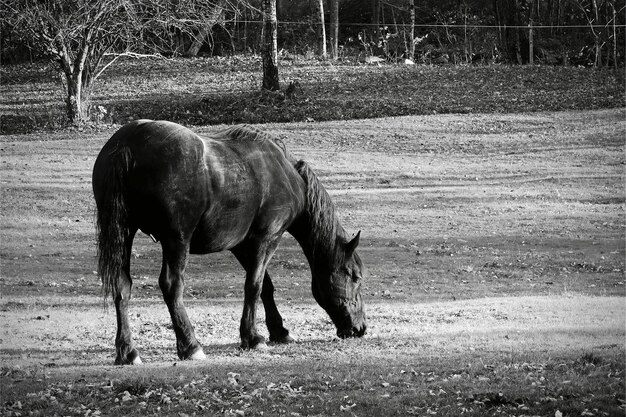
126,354
254,257
273,319
250,338
172,285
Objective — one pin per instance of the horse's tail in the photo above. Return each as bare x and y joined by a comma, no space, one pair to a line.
110,190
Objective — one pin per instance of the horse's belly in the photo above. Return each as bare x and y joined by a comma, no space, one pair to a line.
219,234
210,244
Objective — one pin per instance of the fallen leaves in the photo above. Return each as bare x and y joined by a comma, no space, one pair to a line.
347,407
211,95
486,385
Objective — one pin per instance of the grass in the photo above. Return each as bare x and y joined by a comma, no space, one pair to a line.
216,91
447,359
560,384
494,244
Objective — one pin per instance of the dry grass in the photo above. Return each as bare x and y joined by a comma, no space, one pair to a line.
215,91
534,354
495,251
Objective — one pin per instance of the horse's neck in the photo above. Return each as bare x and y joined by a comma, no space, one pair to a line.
318,249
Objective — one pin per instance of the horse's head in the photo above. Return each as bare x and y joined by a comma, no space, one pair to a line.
337,289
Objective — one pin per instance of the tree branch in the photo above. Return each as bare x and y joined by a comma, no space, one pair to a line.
123,54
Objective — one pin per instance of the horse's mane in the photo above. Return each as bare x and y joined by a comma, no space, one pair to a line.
245,132
323,227
321,217
250,133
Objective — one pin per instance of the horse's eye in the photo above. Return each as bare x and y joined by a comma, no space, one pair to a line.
356,277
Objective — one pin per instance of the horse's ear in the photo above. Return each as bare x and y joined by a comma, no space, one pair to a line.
351,246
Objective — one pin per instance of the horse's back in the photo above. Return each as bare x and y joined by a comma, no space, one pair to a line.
214,190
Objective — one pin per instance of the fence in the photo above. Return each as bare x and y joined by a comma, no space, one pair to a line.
434,44
554,45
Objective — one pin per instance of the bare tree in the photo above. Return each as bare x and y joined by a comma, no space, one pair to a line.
614,34
270,46
590,10
84,37
334,28
597,21
322,30
412,29
75,35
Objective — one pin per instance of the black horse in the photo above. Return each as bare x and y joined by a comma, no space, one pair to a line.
238,190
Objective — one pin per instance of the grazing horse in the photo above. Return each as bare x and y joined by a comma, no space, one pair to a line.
238,190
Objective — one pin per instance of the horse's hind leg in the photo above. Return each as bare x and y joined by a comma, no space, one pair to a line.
273,319
126,353
172,285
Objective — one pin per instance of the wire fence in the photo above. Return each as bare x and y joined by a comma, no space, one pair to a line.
589,45
430,25
438,43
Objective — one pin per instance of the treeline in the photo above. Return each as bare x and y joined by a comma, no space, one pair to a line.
570,32
566,32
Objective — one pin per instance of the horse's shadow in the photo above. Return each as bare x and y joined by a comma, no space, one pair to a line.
33,360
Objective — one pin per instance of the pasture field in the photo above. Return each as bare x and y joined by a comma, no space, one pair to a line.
494,245
226,90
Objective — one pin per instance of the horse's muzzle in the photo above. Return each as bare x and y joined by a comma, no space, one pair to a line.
357,331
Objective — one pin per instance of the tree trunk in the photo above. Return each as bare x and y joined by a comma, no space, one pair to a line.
551,16
270,46
412,30
322,49
531,44
614,36
77,96
77,78
596,34
498,20
466,48
518,40
74,101
376,19
334,28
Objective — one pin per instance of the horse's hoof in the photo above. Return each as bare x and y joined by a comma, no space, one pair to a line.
283,340
254,343
261,347
198,355
131,359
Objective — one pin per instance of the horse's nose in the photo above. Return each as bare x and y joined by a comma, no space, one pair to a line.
356,331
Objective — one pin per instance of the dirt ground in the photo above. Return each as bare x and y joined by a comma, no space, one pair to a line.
480,234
